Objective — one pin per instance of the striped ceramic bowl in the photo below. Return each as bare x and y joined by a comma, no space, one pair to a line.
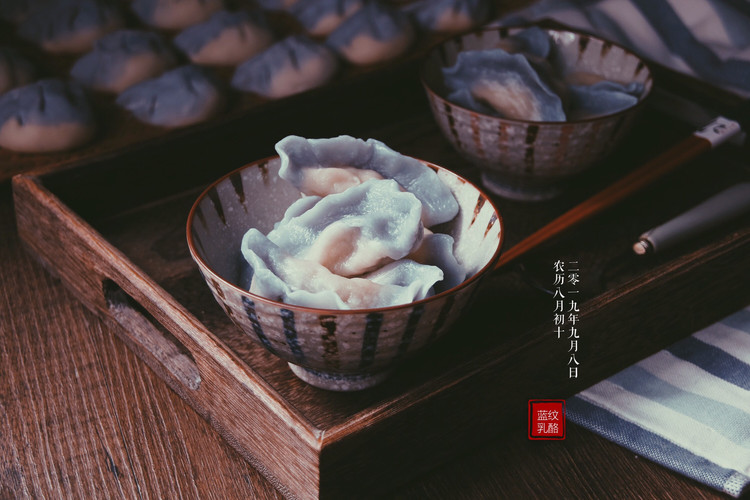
534,160
342,350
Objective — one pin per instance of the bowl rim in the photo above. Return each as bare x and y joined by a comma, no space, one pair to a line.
439,46
486,269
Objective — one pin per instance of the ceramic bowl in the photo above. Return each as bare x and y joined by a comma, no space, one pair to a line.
533,160
343,350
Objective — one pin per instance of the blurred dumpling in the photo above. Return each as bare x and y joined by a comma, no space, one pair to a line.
602,98
288,67
122,59
375,33
15,70
175,14
321,17
502,84
302,159
355,231
227,38
45,116
449,16
180,97
70,26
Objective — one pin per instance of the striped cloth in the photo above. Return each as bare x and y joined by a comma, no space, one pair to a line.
709,39
686,407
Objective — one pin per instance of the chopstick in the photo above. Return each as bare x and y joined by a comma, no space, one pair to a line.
715,133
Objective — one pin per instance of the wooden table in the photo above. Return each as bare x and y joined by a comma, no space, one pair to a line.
82,417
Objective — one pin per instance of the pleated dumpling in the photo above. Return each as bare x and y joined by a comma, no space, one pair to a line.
15,70
602,98
227,38
376,33
302,159
277,275
356,231
175,14
449,16
70,26
291,66
436,249
322,17
47,115
180,97
122,59
502,84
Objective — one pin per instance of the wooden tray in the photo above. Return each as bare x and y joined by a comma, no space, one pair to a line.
114,231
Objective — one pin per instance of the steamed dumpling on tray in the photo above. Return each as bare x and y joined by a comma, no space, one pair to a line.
122,59
288,67
376,33
321,17
70,26
45,116
180,97
175,14
227,38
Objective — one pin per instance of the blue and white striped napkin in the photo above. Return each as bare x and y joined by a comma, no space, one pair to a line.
708,39
686,407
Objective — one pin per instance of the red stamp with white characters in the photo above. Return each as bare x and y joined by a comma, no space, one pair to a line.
547,419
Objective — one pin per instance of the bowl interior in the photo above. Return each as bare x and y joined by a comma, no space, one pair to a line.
256,197
571,53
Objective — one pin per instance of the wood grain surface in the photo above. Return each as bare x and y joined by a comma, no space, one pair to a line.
82,417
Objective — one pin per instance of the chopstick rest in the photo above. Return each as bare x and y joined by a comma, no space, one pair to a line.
720,208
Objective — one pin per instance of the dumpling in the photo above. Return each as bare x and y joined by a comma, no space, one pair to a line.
321,17
356,231
291,66
602,98
70,26
15,70
279,276
496,82
436,249
449,16
374,34
175,14
227,38
48,115
122,59
180,97
533,42
302,158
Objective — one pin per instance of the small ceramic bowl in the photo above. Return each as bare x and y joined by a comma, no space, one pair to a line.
342,350
530,160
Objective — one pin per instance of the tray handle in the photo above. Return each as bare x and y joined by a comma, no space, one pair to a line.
151,335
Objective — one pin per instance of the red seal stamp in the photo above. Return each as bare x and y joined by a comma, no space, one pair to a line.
547,419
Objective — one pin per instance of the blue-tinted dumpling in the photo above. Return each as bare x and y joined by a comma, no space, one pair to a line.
449,16
302,158
180,97
122,59
602,98
277,275
533,42
48,115
291,66
436,249
70,26
356,231
227,38
175,14
374,34
322,17
15,70
496,82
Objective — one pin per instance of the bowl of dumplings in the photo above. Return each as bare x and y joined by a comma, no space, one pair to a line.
342,256
534,108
